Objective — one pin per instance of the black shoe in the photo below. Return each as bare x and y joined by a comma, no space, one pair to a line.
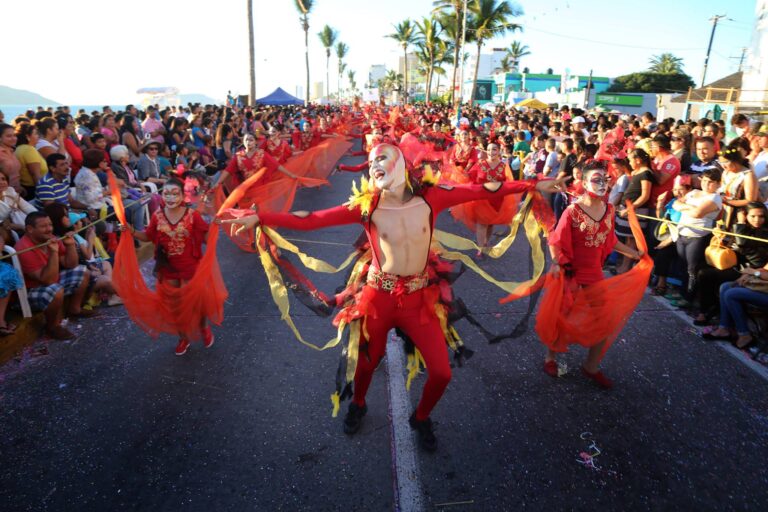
427,438
354,418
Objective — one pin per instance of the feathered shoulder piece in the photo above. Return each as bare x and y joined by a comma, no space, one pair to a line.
363,197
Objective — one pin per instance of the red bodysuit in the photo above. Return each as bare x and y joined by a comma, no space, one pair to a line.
384,309
181,242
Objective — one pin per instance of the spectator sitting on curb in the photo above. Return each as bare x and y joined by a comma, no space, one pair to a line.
47,283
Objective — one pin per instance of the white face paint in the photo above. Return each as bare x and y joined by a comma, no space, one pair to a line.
596,183
386,167
249,142
173,196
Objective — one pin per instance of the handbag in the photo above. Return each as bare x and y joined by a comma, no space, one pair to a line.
720,255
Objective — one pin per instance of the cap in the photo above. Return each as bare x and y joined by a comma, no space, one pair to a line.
577,119
74,218
763,130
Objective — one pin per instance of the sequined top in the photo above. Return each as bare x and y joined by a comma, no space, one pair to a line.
584,243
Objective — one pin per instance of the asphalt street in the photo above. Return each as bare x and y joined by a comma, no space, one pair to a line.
115,421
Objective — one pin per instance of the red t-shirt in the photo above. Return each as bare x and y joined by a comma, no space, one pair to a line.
34,260
668,166
182,242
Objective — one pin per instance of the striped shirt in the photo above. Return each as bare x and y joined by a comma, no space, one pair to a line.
50,189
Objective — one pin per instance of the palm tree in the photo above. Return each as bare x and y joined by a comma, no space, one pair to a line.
489,18
515,52
341,52
304,6
429,30
328,39
251,53
342,69
453,16
405,35
351,78
666,64
392,81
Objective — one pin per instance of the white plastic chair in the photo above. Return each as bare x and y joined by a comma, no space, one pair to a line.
149,187
21,292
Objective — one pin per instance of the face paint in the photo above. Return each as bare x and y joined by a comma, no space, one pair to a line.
249,142
172,196
386,167
596,184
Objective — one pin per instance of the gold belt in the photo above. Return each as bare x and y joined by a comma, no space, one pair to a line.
387,282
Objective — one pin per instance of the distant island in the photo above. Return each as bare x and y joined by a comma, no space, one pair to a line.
11,96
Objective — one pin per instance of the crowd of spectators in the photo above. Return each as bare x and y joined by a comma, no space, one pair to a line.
702,174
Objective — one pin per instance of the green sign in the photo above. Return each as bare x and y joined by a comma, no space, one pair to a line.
627,100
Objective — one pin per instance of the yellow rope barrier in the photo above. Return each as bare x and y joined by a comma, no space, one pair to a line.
711,230
63,237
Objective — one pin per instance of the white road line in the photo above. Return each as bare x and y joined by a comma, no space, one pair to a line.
734,352
409,496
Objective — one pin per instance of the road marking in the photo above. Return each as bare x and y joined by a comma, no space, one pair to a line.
409,496
734,352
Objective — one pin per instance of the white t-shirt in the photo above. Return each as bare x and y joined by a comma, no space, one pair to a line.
761,164
618,189
695,198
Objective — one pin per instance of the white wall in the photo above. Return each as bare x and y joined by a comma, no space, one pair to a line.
754,83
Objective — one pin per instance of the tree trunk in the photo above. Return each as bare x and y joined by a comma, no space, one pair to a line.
455,65
306,55
251,54
327,75
477,70
405,78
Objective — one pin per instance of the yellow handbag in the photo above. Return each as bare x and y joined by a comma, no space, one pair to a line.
720,255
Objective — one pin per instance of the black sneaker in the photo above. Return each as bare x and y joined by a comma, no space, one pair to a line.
354,418
427,438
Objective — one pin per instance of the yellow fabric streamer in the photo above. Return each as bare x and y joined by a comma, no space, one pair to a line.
280,296
415,363
532,229
353,349
308,261
335,400
464,244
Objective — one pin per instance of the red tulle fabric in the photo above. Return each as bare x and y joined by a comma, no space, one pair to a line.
592,314
319,161
488,213
177,311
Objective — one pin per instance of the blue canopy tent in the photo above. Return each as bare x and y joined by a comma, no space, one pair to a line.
279,97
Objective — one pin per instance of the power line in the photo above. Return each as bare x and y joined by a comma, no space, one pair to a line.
612,43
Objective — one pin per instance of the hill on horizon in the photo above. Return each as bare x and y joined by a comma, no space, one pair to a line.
11,96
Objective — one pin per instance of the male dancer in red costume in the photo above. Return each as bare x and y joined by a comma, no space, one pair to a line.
399,225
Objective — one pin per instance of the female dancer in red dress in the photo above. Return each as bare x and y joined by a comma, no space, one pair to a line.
481,216
178,233
276,146
461,158
248,161
579,305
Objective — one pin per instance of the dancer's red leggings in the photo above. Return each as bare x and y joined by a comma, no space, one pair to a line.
423,327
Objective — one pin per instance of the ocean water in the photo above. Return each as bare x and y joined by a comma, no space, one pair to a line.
12,111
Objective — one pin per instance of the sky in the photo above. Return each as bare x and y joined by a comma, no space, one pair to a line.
110,48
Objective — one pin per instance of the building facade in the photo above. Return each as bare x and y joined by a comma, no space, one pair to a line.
754,93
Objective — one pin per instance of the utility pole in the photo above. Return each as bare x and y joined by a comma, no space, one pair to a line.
741,59
714,20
